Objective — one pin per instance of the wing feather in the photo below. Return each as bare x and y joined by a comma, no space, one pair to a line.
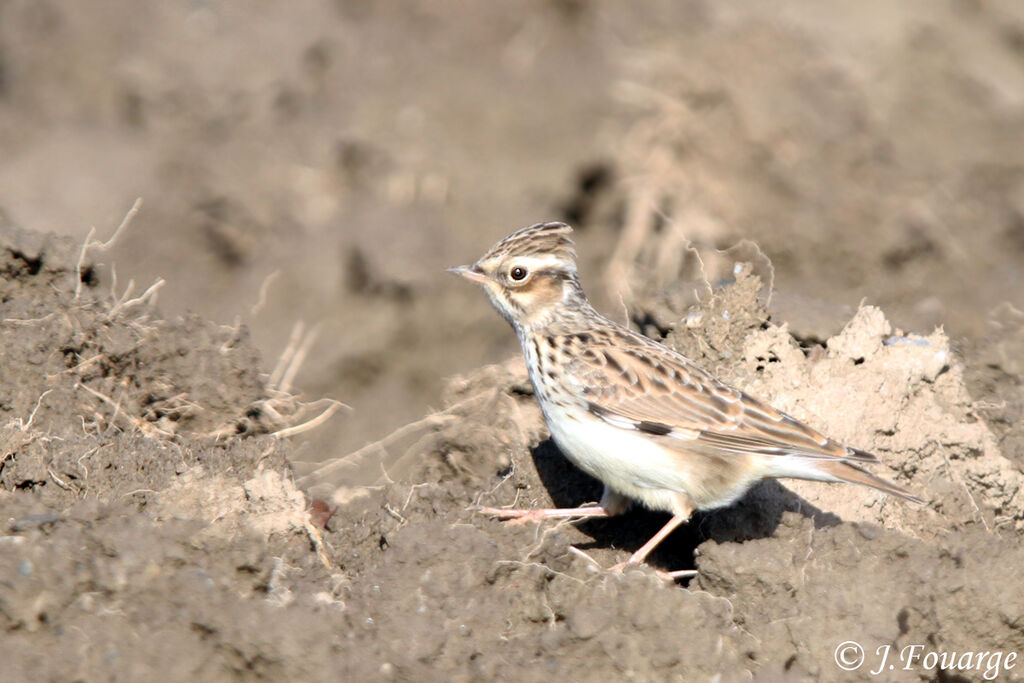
660,392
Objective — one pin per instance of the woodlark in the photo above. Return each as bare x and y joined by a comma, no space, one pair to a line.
640,417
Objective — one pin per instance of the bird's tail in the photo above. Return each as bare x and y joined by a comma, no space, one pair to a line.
840,470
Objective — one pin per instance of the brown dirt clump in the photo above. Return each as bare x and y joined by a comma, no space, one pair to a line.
111,354
143,538
137,528
803,566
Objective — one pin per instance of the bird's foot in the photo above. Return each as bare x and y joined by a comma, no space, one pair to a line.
640,556
621,567
516,517
678,575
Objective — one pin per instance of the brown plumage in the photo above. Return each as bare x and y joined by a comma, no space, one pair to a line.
639,416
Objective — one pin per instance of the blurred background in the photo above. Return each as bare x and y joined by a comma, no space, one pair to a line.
321,162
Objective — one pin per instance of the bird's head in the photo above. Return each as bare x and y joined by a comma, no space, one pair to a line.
529,274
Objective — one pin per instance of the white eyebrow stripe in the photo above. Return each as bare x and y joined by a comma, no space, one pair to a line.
537,262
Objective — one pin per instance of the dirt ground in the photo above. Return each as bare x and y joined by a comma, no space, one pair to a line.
823,204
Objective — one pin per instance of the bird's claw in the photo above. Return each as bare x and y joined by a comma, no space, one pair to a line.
513,517
672,576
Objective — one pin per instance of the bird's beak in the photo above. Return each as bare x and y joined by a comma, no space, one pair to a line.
470,273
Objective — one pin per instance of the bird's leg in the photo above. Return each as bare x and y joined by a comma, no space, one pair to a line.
640,555
611,504
525,516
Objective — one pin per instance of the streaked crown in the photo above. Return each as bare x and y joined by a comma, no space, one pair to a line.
549,241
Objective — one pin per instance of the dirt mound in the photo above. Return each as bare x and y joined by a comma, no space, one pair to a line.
900,395
802,567
805,591
144,516
153,521
111,353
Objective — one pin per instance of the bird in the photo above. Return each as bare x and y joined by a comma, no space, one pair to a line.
647,422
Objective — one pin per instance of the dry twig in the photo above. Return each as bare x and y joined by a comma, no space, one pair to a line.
332,407
89,243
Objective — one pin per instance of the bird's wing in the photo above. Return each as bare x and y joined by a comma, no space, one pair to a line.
635,383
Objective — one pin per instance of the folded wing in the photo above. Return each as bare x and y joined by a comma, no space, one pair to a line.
658,391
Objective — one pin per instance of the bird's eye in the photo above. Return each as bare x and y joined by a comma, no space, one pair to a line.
518,273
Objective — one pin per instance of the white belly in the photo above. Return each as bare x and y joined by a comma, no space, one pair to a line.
657,472
623,460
